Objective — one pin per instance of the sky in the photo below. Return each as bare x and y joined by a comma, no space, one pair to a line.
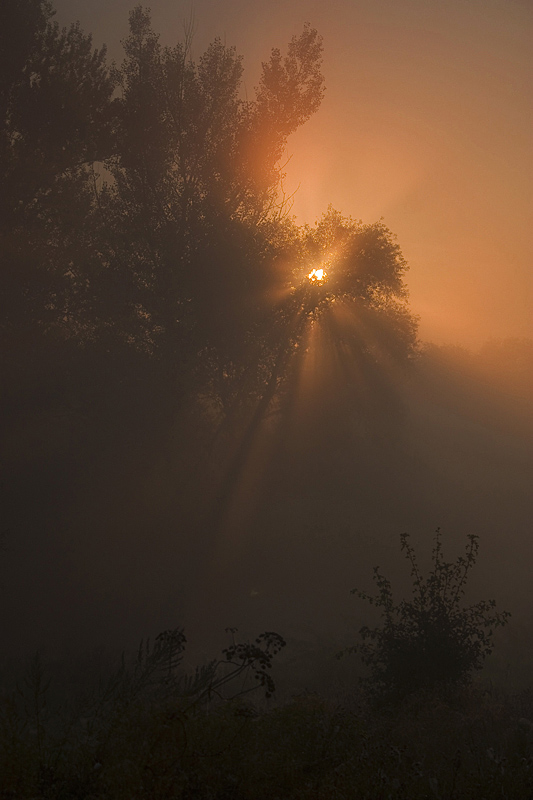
426,123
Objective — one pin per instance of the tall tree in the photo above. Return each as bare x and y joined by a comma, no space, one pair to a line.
55,123
197,224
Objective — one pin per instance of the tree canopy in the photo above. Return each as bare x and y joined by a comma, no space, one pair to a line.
143,226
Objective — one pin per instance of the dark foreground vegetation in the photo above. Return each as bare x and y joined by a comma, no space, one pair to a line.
416,727
476,744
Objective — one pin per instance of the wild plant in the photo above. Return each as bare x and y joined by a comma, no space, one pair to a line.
433,639
45,746
156,670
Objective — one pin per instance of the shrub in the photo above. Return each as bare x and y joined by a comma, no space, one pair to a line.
431,639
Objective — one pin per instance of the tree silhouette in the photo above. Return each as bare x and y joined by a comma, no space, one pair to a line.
195,187
149,261
55,122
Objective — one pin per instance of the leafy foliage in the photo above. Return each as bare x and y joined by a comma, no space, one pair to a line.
195,187
56,114
432,639
366,271
155,671
146,236
257,656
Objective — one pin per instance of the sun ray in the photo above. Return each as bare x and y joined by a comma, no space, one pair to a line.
239,491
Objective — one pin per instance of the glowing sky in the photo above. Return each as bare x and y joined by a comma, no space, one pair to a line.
426,122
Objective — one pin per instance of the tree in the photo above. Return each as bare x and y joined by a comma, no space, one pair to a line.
366,270
432,639
180,277
56,121
193,220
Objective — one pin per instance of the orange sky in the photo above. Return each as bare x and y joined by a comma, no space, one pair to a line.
426,122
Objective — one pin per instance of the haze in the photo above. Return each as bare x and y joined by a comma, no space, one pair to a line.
216,416
426,122
265,339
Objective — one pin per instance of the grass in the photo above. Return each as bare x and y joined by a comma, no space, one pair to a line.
126,739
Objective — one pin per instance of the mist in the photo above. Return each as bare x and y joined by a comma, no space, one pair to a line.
118,540
425,121
106,503
225,398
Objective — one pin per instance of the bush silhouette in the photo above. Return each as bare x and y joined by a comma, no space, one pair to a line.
431,639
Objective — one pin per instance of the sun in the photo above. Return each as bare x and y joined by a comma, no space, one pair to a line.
317,275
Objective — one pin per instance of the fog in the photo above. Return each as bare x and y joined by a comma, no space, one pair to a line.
235,447
426,121
119,541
